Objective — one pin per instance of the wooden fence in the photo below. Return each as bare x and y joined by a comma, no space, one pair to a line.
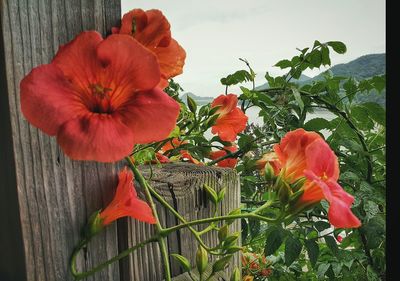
45,198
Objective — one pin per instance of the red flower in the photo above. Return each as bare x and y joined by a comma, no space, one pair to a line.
172,144
152,29
185,155
266,272
291,153
126,203
339,238
229,162
162,158
270,158
306,154
98,97
323,172
231,120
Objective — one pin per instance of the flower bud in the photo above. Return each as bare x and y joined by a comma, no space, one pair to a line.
297,185
284,193
269,173
223,233
201,259
235,275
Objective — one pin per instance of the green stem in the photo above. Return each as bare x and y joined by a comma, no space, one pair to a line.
167,231
81,275
159,228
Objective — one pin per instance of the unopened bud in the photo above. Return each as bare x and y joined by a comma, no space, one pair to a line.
284,193
201,259
269,173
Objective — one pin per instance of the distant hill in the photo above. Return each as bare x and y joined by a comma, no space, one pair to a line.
360,68
199,100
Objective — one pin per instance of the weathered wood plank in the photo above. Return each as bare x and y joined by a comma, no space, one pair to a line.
181,185
53,194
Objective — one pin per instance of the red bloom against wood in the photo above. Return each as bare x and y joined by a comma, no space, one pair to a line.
152,29
229,162
126,203
99,98
231,120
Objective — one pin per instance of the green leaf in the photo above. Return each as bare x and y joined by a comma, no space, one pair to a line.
317,124
316,58
221,194
379,82
325,56
376,112
298,99
312,250
322,269
331,242
322,225
284,64
221,263
236,78
183,262
274,241
293,248
338,47
371,274
374,231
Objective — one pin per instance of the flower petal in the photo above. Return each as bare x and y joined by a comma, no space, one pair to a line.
78,60
226,102
129,66
48,99
99,137
171,59
150,115
229,125
291,152
229,162
339,213
150,28
322,160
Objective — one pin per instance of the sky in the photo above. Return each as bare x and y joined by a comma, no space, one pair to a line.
216,33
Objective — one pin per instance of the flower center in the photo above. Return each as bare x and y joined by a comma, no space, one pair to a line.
324,177
101,98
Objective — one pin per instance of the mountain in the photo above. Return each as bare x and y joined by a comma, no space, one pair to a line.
199,100
360,68
301,79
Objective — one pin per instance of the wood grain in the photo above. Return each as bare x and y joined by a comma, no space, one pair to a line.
54,194
46,198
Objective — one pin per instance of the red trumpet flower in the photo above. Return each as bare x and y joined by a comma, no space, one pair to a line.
99,98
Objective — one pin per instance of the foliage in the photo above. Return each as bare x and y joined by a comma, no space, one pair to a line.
306,248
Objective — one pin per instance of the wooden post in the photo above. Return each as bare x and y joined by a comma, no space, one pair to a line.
46,198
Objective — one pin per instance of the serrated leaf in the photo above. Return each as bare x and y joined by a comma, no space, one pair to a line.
312,250
338,47
293,248
376,112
